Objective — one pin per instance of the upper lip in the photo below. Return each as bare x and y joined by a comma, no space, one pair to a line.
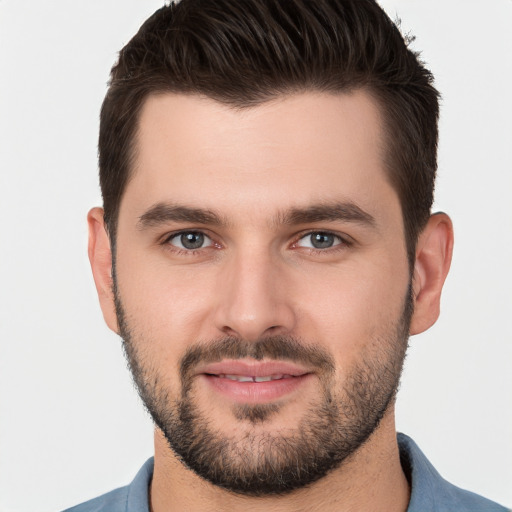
252,368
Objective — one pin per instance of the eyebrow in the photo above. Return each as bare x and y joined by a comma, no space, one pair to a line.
331,212
162,213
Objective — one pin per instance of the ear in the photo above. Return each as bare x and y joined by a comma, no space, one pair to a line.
100,257
433,258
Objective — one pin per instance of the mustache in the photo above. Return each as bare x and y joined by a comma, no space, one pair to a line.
273,347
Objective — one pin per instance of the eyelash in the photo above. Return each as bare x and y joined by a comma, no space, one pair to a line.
343,244
186,252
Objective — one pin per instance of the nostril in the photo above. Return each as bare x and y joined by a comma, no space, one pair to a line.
229,331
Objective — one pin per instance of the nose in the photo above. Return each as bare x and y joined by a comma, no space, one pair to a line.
253,299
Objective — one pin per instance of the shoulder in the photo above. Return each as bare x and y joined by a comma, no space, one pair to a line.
132,498
430,492
113,501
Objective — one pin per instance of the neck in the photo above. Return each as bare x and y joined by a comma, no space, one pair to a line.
371,479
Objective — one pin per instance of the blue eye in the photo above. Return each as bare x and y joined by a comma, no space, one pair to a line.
319,240
190,240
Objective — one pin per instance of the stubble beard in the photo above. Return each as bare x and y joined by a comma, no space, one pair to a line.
259,462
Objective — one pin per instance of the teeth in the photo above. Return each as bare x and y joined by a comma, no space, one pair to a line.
247,378
239,378
263,379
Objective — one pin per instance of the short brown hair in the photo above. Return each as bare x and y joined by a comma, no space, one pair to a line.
245,52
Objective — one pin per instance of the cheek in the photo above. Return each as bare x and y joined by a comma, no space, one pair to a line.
349,308
168,305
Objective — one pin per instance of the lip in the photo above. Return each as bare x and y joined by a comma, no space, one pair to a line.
253,368
291,378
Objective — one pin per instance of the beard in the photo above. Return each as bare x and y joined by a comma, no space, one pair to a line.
259,462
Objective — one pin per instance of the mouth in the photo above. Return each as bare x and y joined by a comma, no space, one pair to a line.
247,381
253,378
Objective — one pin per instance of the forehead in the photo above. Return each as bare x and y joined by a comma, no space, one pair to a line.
292,151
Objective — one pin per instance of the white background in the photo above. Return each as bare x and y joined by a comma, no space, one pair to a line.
71,426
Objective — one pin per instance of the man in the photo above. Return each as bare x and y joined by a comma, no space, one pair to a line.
265,250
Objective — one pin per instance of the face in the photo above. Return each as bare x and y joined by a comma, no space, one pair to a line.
262,285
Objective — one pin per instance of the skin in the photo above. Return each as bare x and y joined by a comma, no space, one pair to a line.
259,277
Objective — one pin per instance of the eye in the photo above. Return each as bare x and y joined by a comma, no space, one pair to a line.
319,240
190,240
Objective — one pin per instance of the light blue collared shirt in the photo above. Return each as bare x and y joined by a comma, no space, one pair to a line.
429,491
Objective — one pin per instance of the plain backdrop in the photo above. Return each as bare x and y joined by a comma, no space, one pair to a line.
71,425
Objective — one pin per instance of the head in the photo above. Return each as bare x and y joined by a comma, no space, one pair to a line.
267,171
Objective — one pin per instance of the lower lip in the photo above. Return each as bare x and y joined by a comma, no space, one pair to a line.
256,392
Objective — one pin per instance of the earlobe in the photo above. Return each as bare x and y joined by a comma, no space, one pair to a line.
433,258
100,257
